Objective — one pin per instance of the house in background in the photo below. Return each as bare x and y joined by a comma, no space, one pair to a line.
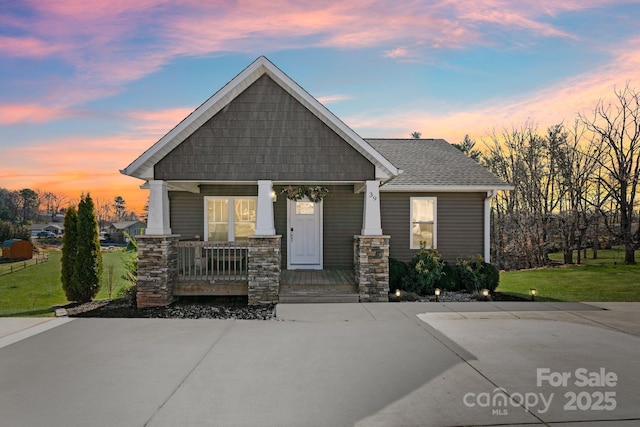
118,230
57,229
262,182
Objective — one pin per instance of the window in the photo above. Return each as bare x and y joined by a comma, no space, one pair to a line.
229,218
423,222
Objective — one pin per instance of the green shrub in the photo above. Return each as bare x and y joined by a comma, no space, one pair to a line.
398,270
425,270
473,274
448,281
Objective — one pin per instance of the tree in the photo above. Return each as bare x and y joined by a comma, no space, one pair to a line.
88,271
466,146
81,257
28,202
416,135
71,287
119,206
617,126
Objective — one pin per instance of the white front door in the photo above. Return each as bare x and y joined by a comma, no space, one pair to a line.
304,225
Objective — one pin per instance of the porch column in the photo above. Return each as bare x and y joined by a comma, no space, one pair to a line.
371,224
487,225
158,223
264,221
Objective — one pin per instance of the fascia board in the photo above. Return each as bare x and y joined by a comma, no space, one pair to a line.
443,188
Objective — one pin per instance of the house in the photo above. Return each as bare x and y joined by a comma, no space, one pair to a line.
118,230
262,181
56,229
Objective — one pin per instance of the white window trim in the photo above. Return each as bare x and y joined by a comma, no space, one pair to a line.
435,221
230,216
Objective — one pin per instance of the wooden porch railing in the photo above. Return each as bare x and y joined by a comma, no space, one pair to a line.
213,262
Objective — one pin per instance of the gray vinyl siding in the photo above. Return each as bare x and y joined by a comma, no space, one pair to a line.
460,223
342,220
264,133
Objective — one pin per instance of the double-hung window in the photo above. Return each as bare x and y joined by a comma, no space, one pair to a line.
229,218
423,222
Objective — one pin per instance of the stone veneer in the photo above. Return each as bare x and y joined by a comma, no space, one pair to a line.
371,259
264,269
157,270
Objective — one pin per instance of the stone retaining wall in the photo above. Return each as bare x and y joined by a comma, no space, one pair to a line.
371,259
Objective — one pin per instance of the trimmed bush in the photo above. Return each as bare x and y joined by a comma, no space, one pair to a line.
398,270
473,274
425,270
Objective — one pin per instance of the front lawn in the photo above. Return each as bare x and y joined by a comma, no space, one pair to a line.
603,279
35,289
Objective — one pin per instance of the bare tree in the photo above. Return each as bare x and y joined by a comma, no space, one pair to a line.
416,135
617,127
575,164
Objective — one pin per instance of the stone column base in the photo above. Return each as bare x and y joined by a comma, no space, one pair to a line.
157,270
371,259
264,269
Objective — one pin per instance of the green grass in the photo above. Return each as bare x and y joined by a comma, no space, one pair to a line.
34,290
603,279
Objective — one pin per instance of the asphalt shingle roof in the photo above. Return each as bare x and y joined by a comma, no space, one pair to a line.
433,163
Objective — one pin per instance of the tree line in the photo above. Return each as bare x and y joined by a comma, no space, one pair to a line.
575,185
20,208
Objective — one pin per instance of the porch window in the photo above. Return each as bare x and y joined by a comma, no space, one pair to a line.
229,218
423,222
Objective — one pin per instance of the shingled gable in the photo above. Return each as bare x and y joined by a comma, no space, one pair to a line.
143,166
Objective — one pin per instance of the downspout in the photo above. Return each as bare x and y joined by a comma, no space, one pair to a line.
487,224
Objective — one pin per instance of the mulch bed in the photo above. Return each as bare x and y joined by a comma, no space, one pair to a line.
192,308
225,308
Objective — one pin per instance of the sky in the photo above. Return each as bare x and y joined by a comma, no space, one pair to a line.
88,86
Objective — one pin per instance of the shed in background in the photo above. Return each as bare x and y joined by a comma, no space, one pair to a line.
17,249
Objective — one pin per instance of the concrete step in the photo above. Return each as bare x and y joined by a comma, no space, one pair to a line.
301,298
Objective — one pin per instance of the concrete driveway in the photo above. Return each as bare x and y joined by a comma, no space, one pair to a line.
403,364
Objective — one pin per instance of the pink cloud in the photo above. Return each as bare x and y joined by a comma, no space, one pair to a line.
16,113
329,99
557,103
112,42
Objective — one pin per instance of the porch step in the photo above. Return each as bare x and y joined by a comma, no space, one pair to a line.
292,294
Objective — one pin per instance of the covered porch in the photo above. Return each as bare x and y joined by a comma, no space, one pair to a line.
257,265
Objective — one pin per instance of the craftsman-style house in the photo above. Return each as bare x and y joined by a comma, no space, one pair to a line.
262,182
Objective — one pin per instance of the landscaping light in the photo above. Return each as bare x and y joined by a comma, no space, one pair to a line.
398,293
437,292
533,292
485,293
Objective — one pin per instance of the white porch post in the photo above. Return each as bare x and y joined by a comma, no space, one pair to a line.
264,221
371,223
487,225
158,218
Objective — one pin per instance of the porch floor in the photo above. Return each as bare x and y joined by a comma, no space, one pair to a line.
304,286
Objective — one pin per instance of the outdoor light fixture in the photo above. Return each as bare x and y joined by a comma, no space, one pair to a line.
485,293
398,292
274,196
437,292
533,292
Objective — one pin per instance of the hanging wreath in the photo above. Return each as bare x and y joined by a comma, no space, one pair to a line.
315,193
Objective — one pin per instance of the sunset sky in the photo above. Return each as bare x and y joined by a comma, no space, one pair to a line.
87,86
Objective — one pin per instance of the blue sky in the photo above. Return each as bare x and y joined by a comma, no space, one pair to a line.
85,87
